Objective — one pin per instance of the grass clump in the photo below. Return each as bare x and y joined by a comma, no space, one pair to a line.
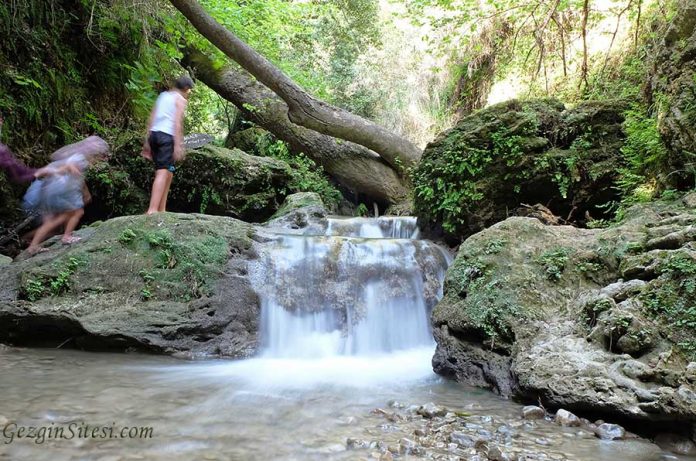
554,262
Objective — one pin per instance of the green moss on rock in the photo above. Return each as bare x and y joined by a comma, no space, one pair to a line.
230,182
599,320
167,282
520,152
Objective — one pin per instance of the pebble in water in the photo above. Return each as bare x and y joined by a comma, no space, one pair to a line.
608,431
430,410
533,412
566,419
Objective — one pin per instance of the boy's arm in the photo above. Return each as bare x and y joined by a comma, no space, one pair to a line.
179,129
146,152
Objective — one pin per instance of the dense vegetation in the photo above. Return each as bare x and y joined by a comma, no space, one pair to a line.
73,68
652,155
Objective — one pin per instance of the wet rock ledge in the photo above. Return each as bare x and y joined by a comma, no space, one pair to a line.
169,283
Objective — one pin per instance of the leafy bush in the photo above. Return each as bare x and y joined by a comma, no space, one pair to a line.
554,262
307,175
671,298
645,155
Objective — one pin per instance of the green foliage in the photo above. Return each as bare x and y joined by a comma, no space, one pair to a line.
55,283
645,155
596,307
177,269
445,188
34,290
672,298
362,210
487,312
554,262
495,246
316,43
127,236
71,68
307,175
148,279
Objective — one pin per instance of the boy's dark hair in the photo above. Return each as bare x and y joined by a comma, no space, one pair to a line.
183,83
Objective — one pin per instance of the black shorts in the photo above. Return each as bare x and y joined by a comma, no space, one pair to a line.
162,148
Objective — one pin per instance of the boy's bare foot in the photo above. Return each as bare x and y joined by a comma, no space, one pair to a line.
70,240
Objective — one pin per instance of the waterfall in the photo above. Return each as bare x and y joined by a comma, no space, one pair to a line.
357,287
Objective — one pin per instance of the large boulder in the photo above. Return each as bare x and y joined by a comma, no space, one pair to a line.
212,180
300,211
520,152
228,182
671,88
596,321
165,283
250,140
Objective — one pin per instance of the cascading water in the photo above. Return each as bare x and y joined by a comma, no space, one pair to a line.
363,287
345,331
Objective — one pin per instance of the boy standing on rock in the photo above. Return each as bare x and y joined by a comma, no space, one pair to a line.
164,140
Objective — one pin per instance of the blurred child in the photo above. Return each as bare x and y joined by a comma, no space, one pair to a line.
59,192
16,170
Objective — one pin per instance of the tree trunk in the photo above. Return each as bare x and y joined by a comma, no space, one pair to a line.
354,166
303,109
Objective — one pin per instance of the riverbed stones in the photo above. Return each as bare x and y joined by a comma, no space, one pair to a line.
479,436
676,444
566,419
495,453
533,412
430,410
462,439
356,444
5,260
608,431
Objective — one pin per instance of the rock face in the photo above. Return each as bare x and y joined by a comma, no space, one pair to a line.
514,153
670,87
597,321
227,182
300,211
165,283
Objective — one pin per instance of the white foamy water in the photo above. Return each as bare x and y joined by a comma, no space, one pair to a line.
383,227
350,306
272,374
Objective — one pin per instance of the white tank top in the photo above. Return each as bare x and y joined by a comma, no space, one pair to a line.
165,111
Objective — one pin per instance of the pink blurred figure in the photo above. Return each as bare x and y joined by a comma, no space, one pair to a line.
59,192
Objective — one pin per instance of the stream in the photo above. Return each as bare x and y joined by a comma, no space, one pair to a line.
343,368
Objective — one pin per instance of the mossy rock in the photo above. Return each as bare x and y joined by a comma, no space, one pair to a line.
114,193
590,320
299,211
164,283
248,140
221,181
520,152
